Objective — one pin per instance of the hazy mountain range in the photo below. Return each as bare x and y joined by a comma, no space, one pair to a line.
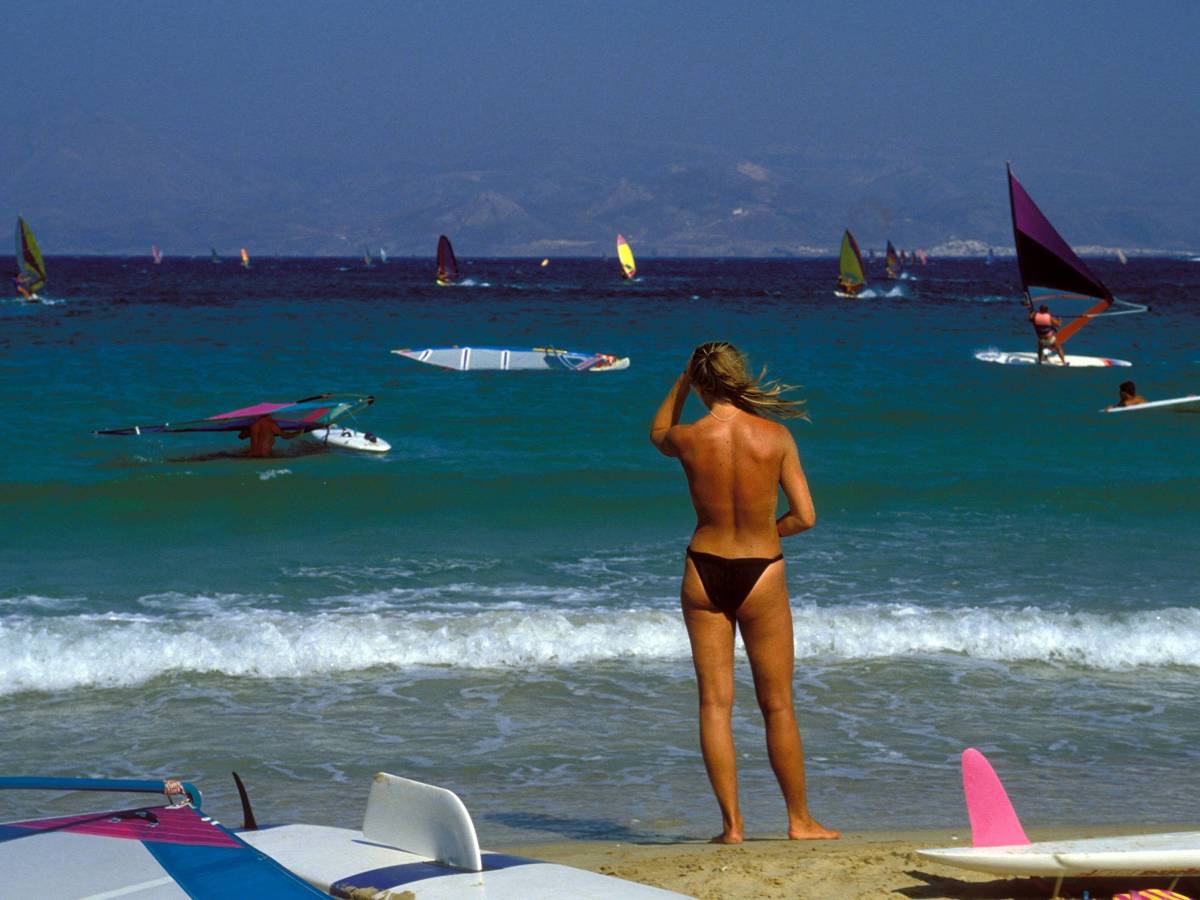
98,185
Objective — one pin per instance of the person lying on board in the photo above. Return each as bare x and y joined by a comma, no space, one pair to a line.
1129,395
736,460
262,436
1046,326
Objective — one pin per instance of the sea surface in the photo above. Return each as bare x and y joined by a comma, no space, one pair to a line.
493,605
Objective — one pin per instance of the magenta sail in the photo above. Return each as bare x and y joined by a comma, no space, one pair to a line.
1045,259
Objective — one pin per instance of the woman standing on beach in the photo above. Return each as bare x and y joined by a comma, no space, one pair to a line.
735,461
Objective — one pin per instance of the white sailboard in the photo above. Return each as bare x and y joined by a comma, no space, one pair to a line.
1189,400
999,845
1022,358
349,439
418,840
1051,271
501,359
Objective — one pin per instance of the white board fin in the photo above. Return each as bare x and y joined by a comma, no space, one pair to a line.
421,819
994,822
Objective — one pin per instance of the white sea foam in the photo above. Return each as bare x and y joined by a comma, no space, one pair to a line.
273,473
120,649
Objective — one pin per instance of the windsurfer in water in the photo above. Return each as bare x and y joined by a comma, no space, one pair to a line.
1128,395
1046,326
262,436
19,281
736,460
846,287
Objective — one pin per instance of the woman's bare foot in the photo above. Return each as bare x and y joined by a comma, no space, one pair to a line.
732,833
811,830
726,837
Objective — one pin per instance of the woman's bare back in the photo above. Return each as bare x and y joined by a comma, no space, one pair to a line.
733,469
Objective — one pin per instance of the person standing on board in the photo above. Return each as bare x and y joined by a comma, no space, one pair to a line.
736,460
1129,395
1046,327
19,281
262,436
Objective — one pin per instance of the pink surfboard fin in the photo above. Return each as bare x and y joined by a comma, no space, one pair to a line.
994,822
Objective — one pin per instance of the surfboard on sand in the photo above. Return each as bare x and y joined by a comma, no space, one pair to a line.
999,845
419,838
1189,400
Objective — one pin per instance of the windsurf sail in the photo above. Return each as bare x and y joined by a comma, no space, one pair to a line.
215,257
156,254
447,265
891,262
245,259
367,258
31,267
1049,267
1121,258
625,255
851,271
991,257
382,255
301,415
163,848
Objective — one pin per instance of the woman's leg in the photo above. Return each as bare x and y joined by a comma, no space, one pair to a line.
766,623
711,633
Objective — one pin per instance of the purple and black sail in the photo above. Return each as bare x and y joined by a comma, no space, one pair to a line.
1048,264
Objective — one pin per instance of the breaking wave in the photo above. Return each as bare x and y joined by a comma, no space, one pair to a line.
67,651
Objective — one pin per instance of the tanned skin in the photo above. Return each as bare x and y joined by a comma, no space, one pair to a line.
735,463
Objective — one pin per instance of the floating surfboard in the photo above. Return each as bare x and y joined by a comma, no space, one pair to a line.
1190,400
349,439
464,359
419,838
1050,359
999,846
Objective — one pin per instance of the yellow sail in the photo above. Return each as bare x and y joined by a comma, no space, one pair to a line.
625,254
245,258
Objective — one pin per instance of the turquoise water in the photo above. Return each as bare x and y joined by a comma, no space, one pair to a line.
492,605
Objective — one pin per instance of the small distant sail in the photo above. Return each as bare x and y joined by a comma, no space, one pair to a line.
156,254
545,262
891,262
367,258
922,258
625,254
991,257
1121,256
382,255
31,268
851,272
245,259
1050,268
447,265
215,256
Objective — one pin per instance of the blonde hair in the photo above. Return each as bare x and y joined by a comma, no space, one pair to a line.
718,369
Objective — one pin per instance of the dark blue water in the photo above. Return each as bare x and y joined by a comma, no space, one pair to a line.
493,604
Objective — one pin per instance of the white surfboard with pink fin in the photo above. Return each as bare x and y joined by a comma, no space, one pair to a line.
999,845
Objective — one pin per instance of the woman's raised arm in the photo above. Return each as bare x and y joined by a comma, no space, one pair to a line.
667,416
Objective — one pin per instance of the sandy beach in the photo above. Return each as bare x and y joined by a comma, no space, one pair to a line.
860,866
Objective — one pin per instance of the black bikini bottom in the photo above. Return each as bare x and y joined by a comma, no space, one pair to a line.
728,582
